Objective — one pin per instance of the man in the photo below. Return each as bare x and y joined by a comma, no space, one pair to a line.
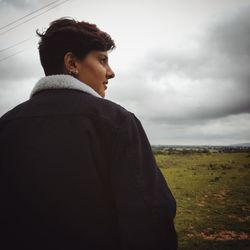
77,171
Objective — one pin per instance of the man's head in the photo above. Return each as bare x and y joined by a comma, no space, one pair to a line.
67,35
66,44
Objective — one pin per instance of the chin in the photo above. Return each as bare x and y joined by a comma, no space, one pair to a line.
102,94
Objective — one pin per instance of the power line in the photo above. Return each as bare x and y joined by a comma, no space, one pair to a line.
21,18
18,52
23,41
33,17
16,44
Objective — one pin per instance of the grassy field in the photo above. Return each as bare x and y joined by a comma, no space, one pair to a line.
213,198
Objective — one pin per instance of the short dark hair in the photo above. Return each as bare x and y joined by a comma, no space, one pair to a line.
68,35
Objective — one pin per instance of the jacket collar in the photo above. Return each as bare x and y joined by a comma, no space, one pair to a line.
62,82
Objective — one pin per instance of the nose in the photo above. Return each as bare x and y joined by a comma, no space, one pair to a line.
110,73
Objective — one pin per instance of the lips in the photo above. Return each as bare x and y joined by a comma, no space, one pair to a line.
105,84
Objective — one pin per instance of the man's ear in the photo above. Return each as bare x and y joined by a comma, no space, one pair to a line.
70,63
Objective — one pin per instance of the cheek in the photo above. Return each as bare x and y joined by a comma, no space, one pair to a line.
99,71
93,72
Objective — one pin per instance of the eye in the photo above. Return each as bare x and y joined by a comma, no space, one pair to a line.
103,60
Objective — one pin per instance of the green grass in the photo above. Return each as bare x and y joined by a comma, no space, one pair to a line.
213,202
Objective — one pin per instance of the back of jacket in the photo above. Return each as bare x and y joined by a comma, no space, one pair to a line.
77,172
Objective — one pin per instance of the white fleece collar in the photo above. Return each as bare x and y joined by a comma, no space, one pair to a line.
62,82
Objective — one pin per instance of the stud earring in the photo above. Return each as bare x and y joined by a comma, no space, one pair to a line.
73,71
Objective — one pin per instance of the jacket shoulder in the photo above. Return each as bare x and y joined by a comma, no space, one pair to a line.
12,113
114,112
55,103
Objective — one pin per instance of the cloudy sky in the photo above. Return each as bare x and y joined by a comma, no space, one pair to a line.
183,66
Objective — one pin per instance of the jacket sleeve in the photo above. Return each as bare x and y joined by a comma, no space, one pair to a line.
144,203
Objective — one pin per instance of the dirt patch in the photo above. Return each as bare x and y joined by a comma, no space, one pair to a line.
223,235
245,208
239,218
223,194
201,203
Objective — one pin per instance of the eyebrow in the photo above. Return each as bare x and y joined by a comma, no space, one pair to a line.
104,56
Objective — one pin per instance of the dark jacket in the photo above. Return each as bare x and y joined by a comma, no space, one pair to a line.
77,172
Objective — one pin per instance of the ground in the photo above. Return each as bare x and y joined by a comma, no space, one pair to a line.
212,193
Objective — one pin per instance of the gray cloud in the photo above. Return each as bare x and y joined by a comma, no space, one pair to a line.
22,67
196,95
232,36
209,82
223,131
24,4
